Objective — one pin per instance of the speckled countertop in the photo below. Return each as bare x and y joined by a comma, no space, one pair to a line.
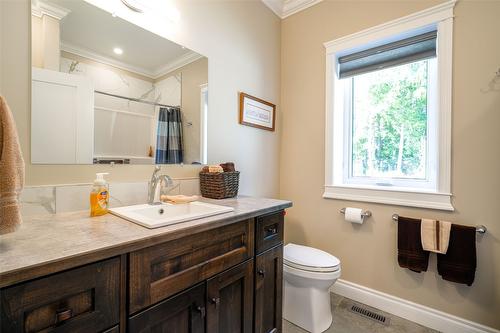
52,243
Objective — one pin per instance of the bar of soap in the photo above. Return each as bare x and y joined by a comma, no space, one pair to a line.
178,199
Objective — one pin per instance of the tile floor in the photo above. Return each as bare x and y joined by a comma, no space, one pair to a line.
346,321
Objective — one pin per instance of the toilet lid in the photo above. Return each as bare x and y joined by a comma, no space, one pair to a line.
309,258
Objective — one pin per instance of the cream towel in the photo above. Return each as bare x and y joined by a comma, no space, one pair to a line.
435,235
11,171
215,169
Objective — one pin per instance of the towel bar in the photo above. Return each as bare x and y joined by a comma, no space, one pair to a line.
480,229
366,213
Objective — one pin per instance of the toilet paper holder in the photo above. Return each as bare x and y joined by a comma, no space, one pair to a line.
365,213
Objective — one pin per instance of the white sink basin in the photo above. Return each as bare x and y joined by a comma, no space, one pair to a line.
155,216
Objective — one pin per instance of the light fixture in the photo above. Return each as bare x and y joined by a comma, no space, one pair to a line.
118,51
134,5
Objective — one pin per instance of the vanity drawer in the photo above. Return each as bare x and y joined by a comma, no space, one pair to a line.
84,299
268,231
163,270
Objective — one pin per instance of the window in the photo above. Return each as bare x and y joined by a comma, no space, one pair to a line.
389,112
391,120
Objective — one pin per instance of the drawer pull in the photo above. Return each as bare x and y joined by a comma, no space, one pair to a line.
215,301
261,272
201,310
63,315
272,230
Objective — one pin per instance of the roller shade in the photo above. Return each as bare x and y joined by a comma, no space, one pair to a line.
401,52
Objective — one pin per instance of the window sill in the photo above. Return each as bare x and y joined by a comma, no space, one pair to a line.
391,196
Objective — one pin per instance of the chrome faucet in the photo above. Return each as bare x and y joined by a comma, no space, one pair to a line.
153,184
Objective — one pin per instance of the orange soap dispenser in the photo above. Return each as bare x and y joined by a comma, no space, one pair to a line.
99,196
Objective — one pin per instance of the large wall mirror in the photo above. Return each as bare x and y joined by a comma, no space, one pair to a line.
107,91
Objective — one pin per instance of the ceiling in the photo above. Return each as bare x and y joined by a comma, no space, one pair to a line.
92,32
285,8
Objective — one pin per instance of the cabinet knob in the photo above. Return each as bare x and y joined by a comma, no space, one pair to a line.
63,315
261,272
201,310
215,301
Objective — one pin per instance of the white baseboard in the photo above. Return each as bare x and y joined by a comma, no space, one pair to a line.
417,313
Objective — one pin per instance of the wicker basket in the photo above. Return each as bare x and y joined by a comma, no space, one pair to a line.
219,185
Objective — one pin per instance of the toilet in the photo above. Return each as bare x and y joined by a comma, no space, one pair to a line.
308,273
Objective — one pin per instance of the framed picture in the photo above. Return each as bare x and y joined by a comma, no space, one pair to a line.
256,112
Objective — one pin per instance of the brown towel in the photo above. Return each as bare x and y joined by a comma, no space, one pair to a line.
11,171
411,255
459,263
228,167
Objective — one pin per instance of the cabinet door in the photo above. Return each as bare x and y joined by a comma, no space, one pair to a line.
268,290
230,300
183,313
62,118
84,299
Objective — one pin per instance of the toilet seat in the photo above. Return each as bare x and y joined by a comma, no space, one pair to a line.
309,259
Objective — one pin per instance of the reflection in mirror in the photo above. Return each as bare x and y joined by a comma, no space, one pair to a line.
107,91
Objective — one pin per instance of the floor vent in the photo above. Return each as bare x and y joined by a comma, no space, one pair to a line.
370,314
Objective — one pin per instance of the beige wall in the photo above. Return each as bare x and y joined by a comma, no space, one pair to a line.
368,252
193,76
243,56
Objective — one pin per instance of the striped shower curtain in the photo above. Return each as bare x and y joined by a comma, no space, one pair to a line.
169,148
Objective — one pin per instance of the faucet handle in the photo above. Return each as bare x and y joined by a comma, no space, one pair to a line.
156,170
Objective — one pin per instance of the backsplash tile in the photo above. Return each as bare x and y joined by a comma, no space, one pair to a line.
72,198
41,200
190,186
126,194
38,200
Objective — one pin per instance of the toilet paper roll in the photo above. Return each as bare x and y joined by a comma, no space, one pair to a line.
353,215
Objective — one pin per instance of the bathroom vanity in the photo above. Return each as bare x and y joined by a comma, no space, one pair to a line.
71,273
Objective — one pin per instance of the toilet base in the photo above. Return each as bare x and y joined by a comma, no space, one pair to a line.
308,308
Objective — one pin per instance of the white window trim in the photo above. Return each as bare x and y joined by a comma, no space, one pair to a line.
441,16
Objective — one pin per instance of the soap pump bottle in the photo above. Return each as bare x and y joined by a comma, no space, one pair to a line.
99,196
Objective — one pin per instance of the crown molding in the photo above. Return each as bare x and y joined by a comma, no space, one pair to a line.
40,8
285,8
177,63
276,6
104,60
171,66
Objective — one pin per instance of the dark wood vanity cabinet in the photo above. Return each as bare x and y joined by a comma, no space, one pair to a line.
84,299
163,270
224,280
